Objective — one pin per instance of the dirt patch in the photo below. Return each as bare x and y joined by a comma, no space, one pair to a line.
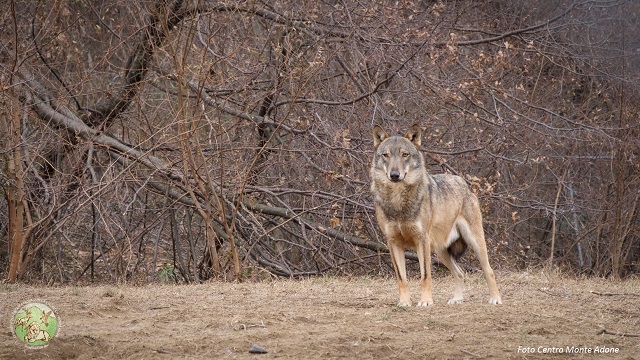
326,318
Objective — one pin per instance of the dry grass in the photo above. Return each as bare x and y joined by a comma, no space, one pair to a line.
327,318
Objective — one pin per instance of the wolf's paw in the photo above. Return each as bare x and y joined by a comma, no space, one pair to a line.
495,300
455,301
404,304
425,303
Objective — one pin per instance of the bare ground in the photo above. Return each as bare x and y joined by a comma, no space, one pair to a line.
325,318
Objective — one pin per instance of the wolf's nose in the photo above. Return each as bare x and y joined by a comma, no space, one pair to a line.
394,176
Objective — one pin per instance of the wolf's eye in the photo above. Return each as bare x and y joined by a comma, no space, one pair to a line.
385,155
405,155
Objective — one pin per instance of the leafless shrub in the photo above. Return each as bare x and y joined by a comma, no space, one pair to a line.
181,141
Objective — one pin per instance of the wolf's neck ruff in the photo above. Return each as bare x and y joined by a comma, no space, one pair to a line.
394,204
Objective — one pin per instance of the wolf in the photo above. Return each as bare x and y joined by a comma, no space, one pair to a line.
428,213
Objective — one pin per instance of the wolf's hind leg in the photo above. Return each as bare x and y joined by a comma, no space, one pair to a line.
474,235
458,276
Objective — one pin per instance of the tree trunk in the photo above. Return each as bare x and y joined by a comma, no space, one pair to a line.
14,191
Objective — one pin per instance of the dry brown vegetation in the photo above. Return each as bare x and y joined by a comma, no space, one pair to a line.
189,140
336,318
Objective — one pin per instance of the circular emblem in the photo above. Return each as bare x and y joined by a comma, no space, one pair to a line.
35,324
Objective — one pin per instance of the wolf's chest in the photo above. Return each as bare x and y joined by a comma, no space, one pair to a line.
406,234
400,204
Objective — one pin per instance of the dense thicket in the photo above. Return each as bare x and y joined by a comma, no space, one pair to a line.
181,140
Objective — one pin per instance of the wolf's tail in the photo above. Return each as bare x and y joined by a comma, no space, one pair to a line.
457,248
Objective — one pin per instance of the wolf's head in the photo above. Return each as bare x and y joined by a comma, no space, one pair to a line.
398,157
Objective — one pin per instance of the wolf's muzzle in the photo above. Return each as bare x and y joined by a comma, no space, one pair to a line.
394,175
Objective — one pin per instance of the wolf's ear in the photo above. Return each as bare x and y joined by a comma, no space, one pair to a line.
378,135
414,134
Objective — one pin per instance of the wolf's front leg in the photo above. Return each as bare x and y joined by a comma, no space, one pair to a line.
424,257
398,260
405,298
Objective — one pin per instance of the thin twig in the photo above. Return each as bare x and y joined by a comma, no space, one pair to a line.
549,292
608,332
553,221
248,326
614,294
470,353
